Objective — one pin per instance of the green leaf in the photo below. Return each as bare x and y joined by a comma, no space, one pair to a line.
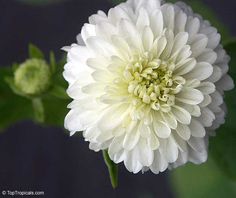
230,47
55,110
59,92
13,108
56,101
223,150
10,81
201,181
112,168
35,52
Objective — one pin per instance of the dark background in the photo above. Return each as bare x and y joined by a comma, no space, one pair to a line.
47,159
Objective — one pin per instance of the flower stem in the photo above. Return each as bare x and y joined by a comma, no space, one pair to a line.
112,168
38,110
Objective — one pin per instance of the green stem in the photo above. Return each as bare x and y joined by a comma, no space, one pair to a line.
112,168
38,109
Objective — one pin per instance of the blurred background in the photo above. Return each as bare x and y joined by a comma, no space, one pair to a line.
46,158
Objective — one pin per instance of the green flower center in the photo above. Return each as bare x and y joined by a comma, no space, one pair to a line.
153,82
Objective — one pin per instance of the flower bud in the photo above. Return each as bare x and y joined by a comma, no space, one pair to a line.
32,77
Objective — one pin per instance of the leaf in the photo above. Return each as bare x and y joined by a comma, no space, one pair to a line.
13,108
59,92
55,110
112,168
35,52
56,102
11,84
223,150
204,181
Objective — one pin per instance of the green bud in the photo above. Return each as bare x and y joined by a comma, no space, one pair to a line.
32,77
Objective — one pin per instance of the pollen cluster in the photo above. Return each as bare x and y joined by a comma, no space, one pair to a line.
153,82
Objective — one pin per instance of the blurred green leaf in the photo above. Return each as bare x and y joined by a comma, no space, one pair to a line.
223,150
48,109
35,52
202,181
59,92
56,101
13,108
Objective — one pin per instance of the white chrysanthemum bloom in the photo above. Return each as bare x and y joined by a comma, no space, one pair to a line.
147,82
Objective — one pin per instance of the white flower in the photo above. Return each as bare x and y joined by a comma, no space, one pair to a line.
147,82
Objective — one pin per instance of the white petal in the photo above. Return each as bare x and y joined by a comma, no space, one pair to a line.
159,163
197,144
170,119
153,141
116,151
194,110
190,96
181,114
130,33
180,22
100,46
132,161
112,117
87,31
206,88
132,136
160,45
207,117
147,38
197,130
145,152
168,16
192,26
199,44
226,83
156,23
216,74
207,56
186,68
170,150
201,71
105,30
161,129
179,41
183,131
142,20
